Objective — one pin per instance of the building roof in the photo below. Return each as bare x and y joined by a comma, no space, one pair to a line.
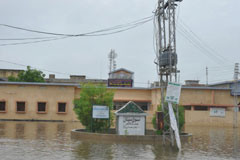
225,82
122,69
126,88
200,87
38,83
205,87
11,70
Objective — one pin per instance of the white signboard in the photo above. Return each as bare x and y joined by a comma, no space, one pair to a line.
174,125
100,112
131,125
173,92
217,112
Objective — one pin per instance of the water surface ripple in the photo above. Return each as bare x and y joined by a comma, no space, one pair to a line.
51,140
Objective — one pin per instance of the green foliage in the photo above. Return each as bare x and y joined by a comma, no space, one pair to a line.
93,95
181,119
30,75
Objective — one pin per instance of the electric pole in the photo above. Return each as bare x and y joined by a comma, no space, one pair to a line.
166,57
235,90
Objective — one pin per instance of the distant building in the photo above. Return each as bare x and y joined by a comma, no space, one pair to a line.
229,84
187,83
5,73
74,79
120,78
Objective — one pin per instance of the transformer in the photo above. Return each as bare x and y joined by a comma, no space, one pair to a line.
164,59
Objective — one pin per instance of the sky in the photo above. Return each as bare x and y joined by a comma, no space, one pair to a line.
208,35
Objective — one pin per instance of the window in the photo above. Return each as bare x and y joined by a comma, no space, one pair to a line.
41,108
200,108
61,107
2,106
187,107
20,106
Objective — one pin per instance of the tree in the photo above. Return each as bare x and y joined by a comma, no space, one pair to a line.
93,95
180,114
29,75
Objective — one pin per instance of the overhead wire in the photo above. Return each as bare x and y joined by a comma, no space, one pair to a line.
146,19
102,32
201,45
23,39
198,45
182,23
30,42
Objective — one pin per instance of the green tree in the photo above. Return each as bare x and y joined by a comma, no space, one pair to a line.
29,75
180,114
93,95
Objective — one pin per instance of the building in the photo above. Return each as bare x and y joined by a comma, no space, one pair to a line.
229,84
74,79
121,78
54,102
5,73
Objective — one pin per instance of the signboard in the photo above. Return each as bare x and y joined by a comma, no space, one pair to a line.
120,82
174,126
217,112
173,92
100,112
131,125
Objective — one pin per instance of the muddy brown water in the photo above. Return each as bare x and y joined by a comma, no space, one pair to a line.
51,140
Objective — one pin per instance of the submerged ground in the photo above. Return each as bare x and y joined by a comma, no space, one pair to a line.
51,140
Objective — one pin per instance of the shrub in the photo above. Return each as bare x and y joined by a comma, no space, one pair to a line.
181,119
93,95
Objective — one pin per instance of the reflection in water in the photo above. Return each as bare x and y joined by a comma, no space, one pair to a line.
40,132
2,130
19,131
51,140
93,150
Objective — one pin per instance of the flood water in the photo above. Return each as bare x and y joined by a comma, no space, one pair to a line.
51,140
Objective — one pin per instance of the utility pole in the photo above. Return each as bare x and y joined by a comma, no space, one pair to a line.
166,57
235,116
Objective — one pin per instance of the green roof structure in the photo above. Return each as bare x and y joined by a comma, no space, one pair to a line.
130,107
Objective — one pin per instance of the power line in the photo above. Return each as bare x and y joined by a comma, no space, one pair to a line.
29,42
103,32
23,39
199,43
182,23
144,20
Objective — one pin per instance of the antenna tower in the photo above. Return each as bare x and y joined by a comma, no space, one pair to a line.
235,116
112,60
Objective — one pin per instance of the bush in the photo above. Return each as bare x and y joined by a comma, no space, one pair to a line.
93,95
181,119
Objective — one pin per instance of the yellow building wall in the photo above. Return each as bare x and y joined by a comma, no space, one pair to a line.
189,96
6,73
125,94
33,94
203,118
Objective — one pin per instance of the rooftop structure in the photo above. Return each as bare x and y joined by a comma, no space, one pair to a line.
5,73
75,79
